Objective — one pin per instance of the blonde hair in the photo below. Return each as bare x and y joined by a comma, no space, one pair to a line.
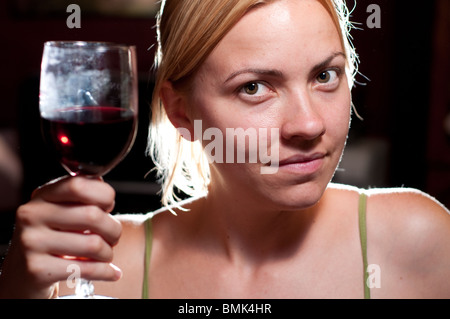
187,32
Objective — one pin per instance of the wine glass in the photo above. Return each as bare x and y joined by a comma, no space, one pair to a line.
88,104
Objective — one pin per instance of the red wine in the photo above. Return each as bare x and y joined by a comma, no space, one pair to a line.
89,140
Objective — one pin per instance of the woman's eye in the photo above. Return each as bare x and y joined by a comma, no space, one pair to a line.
255,90
252,88
327,76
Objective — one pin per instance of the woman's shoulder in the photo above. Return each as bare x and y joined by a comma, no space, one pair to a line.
400,209
404,218
407,209
408,236
407,212
396,202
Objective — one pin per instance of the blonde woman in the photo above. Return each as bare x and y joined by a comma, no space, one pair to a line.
268,81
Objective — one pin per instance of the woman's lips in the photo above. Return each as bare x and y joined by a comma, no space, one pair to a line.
302,163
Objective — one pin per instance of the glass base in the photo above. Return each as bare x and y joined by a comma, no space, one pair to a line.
84,290
88,297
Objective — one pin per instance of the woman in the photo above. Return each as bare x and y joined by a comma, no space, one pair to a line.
285,233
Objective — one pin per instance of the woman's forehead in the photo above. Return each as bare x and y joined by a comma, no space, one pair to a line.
281,32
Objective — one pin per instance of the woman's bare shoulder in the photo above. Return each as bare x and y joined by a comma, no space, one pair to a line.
396,202
406,213
409,212
408,204
408,235
409,230
406,217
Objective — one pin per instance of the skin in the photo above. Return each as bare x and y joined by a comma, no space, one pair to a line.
284,235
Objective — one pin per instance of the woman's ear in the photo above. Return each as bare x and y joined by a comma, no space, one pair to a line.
176,109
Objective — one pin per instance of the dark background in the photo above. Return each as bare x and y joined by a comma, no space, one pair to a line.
403,97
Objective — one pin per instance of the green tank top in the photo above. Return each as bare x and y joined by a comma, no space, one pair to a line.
362,233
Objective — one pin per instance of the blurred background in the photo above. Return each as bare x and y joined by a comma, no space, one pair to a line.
403,96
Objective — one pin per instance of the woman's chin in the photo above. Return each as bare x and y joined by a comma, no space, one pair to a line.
297,197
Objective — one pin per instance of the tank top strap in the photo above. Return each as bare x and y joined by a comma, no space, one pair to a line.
363,237
147,254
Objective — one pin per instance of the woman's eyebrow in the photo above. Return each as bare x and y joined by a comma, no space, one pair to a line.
268,72
327,61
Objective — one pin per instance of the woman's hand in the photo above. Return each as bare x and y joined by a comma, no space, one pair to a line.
66,223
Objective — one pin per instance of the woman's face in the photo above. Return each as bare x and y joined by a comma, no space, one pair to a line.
281,67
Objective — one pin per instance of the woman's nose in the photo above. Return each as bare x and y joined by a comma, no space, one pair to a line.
302,118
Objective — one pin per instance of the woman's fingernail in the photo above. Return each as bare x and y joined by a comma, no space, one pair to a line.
117,272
